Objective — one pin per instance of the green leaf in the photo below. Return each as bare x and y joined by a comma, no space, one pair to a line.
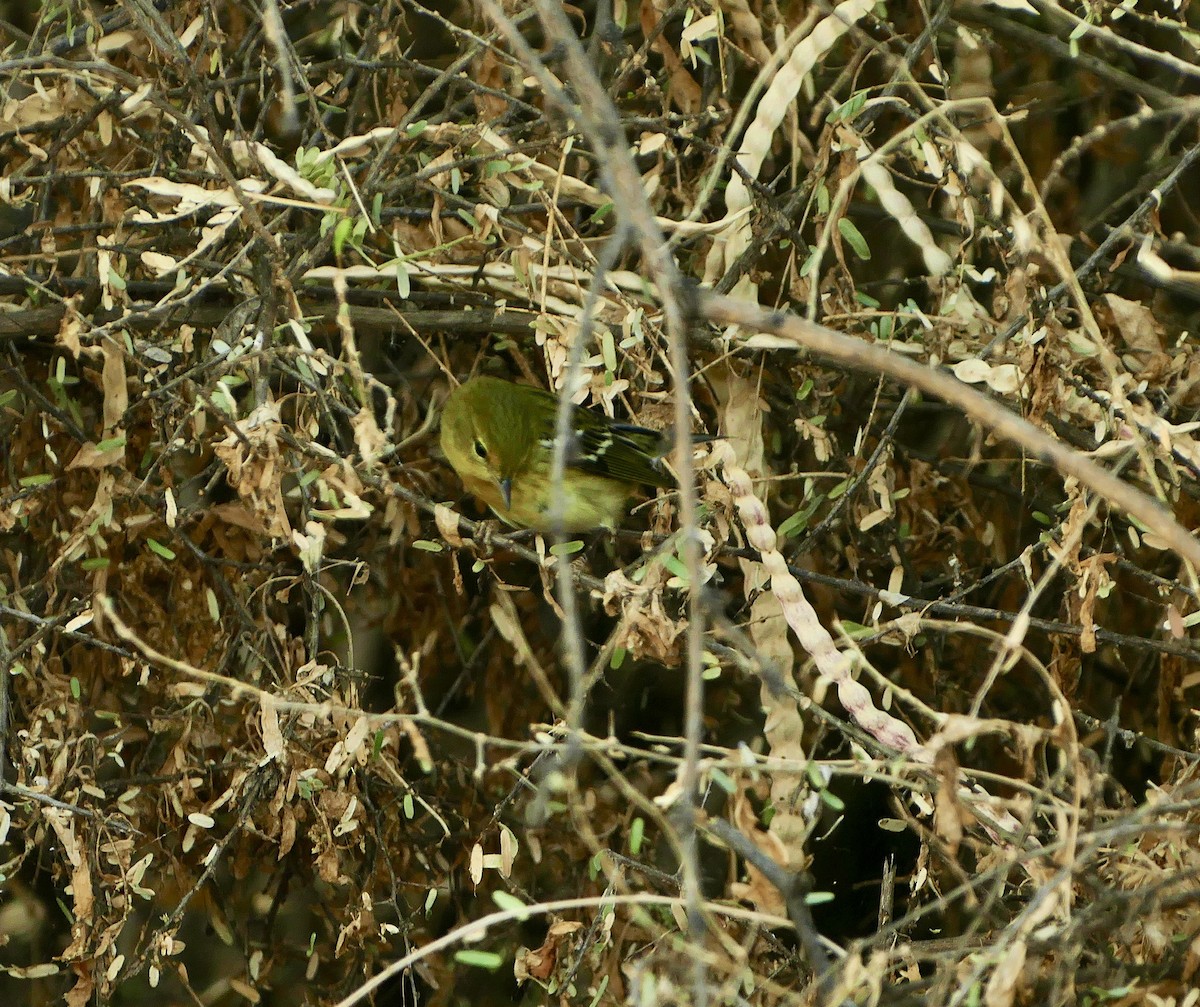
853,237
676,566
795,524
601,989
479,959
608,350
831,800
511,904
723,780
159,549
848,109
810,263
340,233
567,548
637,833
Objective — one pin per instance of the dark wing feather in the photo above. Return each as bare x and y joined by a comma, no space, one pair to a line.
622,451
603,447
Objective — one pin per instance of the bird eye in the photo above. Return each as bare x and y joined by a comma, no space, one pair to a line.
481,449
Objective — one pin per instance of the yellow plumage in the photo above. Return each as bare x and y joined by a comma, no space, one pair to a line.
499,437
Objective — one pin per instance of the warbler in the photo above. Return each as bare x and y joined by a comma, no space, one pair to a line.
499,437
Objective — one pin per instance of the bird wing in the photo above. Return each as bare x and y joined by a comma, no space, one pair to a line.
603,447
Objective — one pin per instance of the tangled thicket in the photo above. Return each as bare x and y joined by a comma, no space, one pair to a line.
281,715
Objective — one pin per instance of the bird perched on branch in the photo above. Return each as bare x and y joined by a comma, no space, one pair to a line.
499,437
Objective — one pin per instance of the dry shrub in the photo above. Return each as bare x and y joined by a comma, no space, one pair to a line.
278,723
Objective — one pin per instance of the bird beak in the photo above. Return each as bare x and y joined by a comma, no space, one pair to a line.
506,492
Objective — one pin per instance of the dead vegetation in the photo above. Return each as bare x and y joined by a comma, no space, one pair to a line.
892,703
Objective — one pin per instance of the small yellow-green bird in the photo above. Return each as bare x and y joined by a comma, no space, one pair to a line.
499,437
